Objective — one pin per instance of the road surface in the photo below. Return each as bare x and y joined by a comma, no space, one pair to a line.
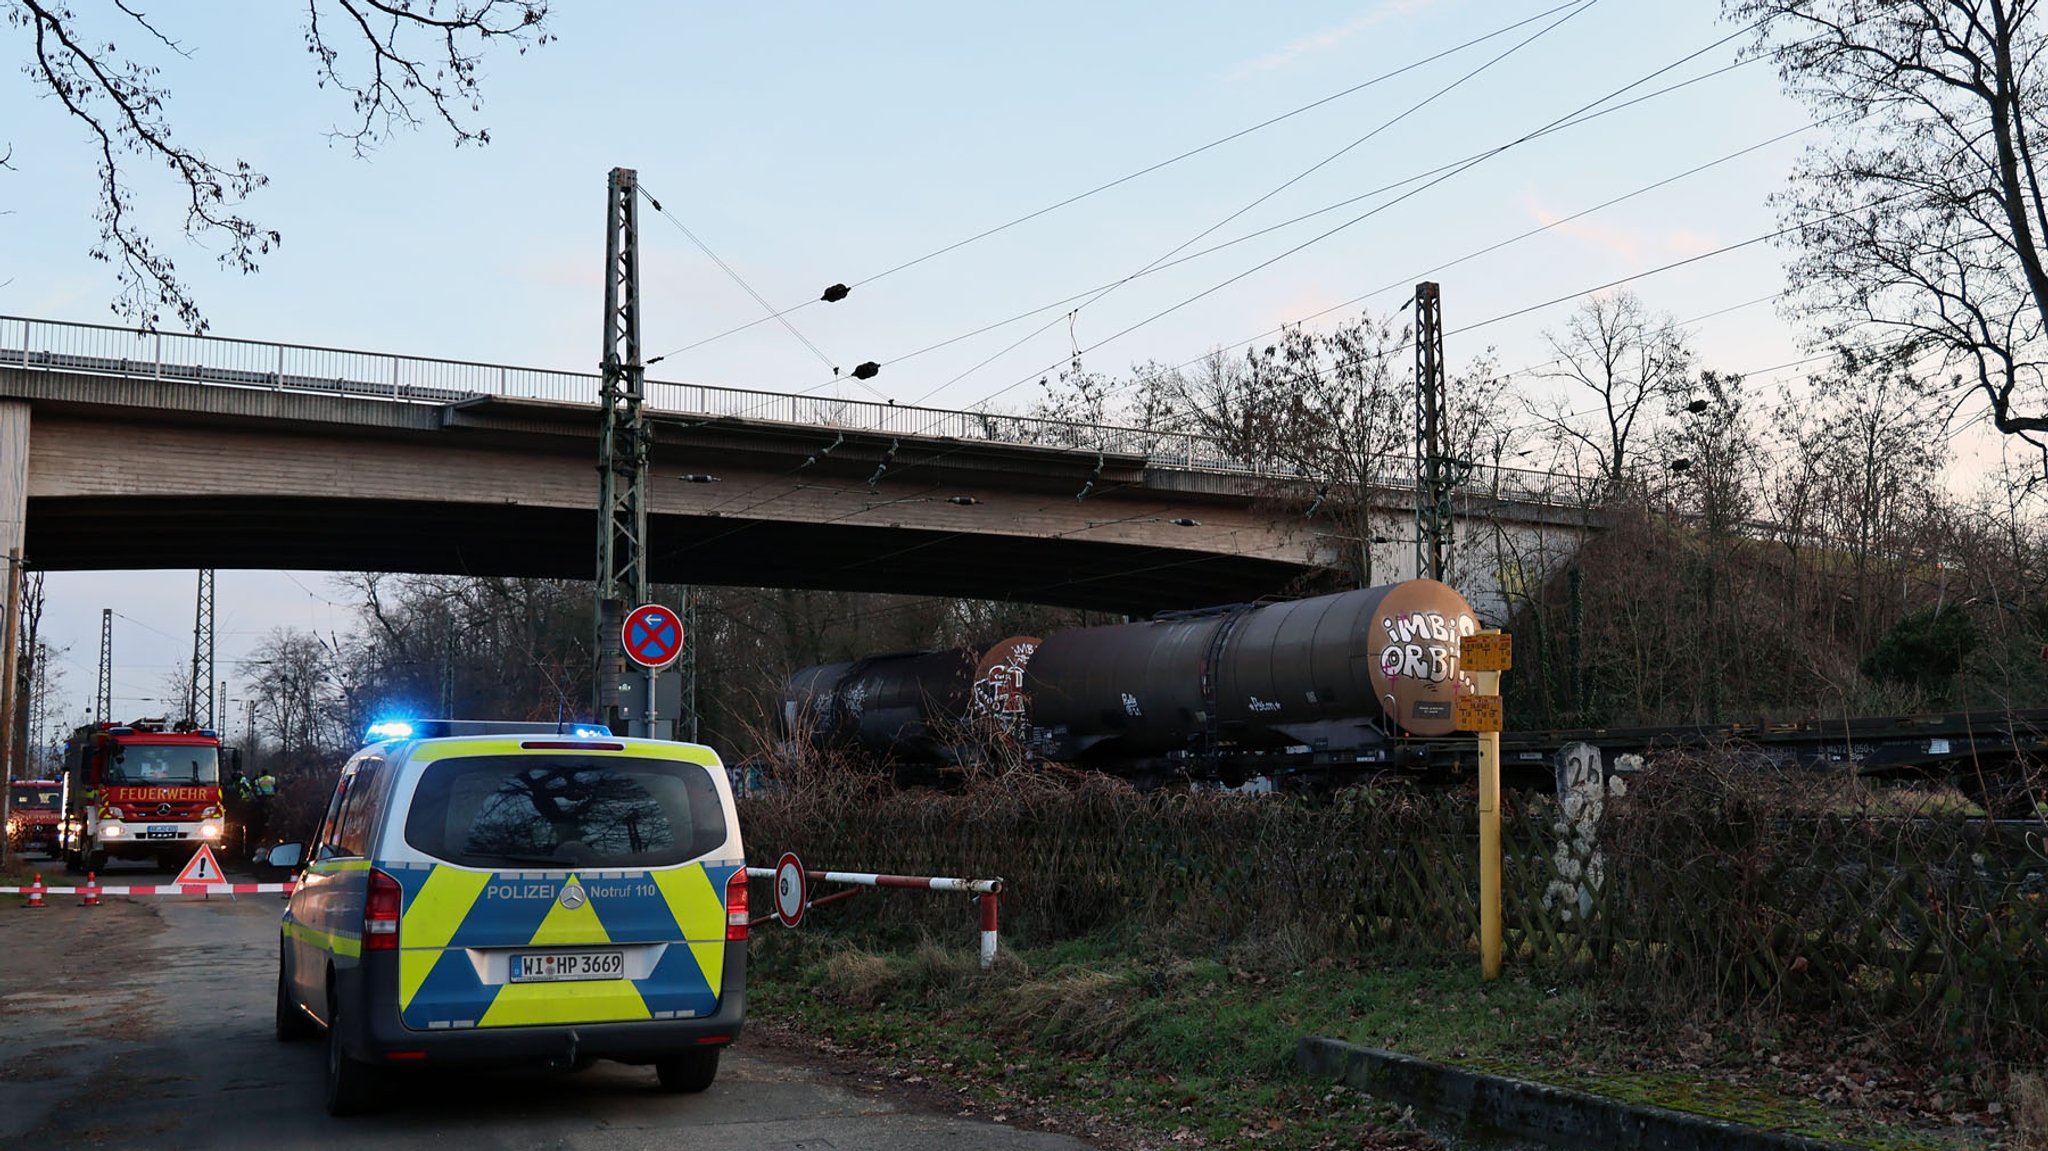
147,1023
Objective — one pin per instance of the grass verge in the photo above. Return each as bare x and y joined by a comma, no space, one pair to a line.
1147,1050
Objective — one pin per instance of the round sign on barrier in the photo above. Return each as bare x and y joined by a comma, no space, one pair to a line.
653,635
792,893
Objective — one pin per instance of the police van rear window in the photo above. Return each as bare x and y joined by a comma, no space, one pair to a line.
565,811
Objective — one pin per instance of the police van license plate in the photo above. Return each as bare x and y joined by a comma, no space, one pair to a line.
560,965
158,831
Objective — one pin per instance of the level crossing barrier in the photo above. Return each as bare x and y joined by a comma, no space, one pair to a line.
793,899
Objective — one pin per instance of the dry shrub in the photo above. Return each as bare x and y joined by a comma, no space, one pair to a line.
1728,885
860,978
1072,1009
1742,885
2028,1092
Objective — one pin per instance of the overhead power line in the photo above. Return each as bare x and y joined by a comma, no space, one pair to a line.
1468,166
1333,157
1325,210
749,288
1145,171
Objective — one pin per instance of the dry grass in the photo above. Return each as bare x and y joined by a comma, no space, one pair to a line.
2029,1100
1075,1009
860,978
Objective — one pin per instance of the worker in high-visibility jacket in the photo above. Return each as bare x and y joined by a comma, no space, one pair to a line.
266,785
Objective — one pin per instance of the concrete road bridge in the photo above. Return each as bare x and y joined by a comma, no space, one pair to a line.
127,450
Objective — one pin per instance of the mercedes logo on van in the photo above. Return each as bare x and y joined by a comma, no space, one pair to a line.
572,897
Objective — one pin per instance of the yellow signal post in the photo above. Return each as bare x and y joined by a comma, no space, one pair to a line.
1486,655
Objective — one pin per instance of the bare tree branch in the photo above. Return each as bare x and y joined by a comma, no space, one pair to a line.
1922,227
419,50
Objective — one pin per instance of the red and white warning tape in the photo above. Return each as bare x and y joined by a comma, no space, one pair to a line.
156,889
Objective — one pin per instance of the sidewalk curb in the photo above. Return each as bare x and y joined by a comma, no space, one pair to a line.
1554,1115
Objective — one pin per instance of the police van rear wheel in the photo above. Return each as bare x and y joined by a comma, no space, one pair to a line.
351,1086
688,1072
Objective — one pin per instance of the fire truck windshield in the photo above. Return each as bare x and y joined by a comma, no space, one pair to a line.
36,796
146,765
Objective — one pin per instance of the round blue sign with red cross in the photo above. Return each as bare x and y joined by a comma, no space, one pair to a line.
653,635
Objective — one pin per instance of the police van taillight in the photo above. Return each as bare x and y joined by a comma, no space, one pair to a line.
736,905
380,913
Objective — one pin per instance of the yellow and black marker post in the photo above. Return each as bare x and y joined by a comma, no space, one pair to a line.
1486,655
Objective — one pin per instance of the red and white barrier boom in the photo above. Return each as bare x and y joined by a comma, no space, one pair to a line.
36,891
202,876
792,893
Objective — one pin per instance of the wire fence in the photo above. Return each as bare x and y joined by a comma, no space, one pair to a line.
100,349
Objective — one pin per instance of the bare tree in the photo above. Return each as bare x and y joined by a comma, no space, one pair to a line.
1620,363
398,61
1331,408
1920,228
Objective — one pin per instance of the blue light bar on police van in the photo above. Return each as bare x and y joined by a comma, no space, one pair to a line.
390,729
587,731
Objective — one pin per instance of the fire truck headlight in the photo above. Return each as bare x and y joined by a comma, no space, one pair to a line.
112,831
209,831
210,813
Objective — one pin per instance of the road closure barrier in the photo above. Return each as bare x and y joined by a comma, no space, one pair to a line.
792,894
92,890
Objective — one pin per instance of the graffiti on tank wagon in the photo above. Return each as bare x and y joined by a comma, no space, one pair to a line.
1422,645
999,691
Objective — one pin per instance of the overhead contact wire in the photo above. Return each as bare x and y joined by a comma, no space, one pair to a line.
1146,171
749,288
1346,149
1525,138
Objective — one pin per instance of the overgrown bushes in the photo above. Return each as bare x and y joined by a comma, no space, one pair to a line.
1719,883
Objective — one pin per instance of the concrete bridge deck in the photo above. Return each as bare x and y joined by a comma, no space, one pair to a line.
227,454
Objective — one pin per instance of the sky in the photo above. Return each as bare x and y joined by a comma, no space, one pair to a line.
809,143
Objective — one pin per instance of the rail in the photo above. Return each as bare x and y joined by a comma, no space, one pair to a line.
219,361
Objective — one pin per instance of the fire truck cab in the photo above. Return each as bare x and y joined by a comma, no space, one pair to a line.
142,790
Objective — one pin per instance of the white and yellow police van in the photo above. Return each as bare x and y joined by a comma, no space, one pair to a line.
517,893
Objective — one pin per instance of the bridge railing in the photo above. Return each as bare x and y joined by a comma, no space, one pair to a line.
102,349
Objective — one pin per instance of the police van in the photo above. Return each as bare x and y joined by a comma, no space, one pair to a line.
517,893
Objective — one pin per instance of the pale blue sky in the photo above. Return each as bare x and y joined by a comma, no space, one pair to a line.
809,143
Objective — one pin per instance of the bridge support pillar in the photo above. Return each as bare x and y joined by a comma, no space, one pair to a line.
13,475
13,527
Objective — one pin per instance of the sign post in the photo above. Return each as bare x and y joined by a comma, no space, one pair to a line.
653,637
1486,655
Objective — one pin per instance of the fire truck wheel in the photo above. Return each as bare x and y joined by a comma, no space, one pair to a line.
351,1086
95,860
292,1024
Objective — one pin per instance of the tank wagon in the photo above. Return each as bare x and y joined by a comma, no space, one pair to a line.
1221,693
1315,693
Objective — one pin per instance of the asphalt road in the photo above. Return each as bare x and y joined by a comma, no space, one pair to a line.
147,1023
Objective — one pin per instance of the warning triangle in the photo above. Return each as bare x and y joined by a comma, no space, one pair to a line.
204,868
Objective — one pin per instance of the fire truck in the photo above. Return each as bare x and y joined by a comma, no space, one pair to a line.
142,790
32,815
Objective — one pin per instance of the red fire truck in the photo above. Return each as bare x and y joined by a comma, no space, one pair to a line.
142,790
32,815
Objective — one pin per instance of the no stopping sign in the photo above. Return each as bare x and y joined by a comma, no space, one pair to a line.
791,890
652,635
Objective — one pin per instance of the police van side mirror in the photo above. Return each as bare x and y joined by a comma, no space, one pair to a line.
285,855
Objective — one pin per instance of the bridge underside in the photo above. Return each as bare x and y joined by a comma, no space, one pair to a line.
353,534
